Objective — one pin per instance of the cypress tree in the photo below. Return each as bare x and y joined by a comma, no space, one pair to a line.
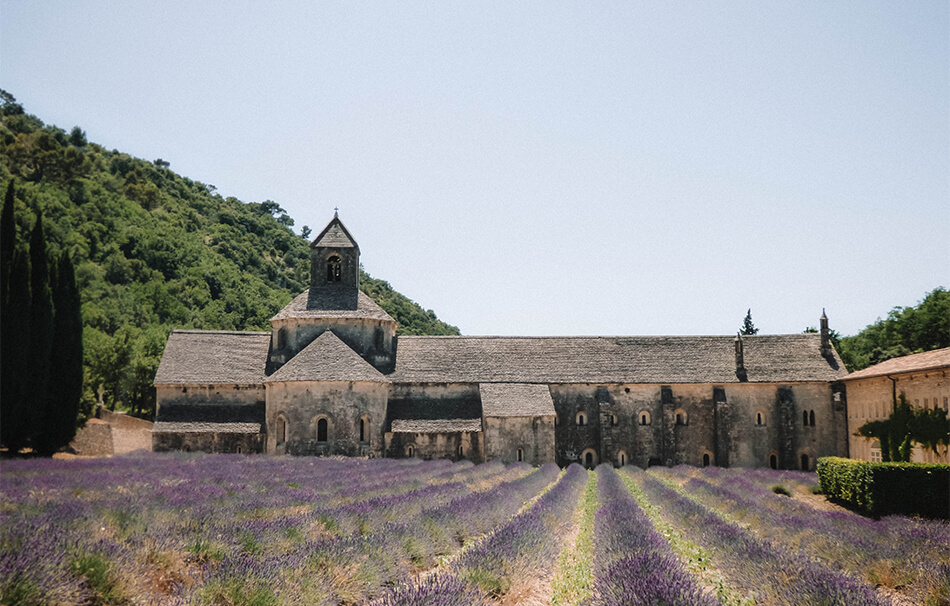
14,355
65,390
41,333
7,244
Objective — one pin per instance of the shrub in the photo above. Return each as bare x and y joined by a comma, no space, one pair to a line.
779,489
882,489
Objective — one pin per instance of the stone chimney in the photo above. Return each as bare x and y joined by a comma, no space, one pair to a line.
740,360
826,349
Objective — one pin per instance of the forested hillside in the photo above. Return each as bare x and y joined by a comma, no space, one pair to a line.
904,331
154,250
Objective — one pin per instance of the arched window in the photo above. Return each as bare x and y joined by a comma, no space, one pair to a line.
281,430
811,418
582,418
805,418
410,451
520,454
621,459
239,450
461,451
705,459
644,417
805,463
773,461
322,429
681,418
759,418
334,268
364,430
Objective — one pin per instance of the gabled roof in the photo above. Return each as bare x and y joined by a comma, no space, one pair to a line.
928,360
327,358
199,357
435,425
553,360
319,303
334,235
516,400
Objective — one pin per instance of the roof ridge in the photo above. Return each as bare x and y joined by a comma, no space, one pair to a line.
197,331
459,337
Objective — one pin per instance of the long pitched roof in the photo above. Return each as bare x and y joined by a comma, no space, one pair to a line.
198,357
322,303
327,358
516,400
553,360
436,425
928,360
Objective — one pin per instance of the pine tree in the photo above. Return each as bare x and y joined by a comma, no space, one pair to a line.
14,357
65,387
748,328
41,337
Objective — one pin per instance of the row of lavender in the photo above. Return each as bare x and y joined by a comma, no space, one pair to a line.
752,564
520,551
906,554
181,529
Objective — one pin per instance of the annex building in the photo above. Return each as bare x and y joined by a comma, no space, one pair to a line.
924,381
332,378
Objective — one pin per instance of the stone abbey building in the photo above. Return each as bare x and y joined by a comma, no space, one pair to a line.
332,378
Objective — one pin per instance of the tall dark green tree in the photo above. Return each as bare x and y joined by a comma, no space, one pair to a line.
14,360
66,372
748,328
7,242
41,330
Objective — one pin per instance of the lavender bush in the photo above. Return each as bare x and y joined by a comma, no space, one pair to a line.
633,564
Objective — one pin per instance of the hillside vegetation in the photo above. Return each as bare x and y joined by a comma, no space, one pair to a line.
154,250
904,331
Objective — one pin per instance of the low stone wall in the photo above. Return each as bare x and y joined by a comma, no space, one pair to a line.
113,433
93,440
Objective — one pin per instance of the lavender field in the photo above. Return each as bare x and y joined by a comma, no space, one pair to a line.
257,530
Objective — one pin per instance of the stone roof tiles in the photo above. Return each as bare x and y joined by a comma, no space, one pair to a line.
332,302
516,400
327,358
928,360
559,360
436,425
165,427
199,357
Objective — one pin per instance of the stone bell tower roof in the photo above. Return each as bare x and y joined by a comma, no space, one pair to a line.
334,235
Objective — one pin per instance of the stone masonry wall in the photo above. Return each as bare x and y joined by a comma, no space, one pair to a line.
533,435
736,425
342,403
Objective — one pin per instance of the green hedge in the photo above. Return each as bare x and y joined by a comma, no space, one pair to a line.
882,489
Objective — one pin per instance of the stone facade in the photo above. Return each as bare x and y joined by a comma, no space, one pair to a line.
923,378
331,378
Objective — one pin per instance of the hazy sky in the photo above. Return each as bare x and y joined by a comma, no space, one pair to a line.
545,168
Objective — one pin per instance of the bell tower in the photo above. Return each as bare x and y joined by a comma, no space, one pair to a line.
334,268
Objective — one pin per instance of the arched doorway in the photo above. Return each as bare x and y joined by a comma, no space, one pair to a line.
589,458
773,461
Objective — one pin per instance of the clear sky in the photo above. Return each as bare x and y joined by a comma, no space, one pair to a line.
545,168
